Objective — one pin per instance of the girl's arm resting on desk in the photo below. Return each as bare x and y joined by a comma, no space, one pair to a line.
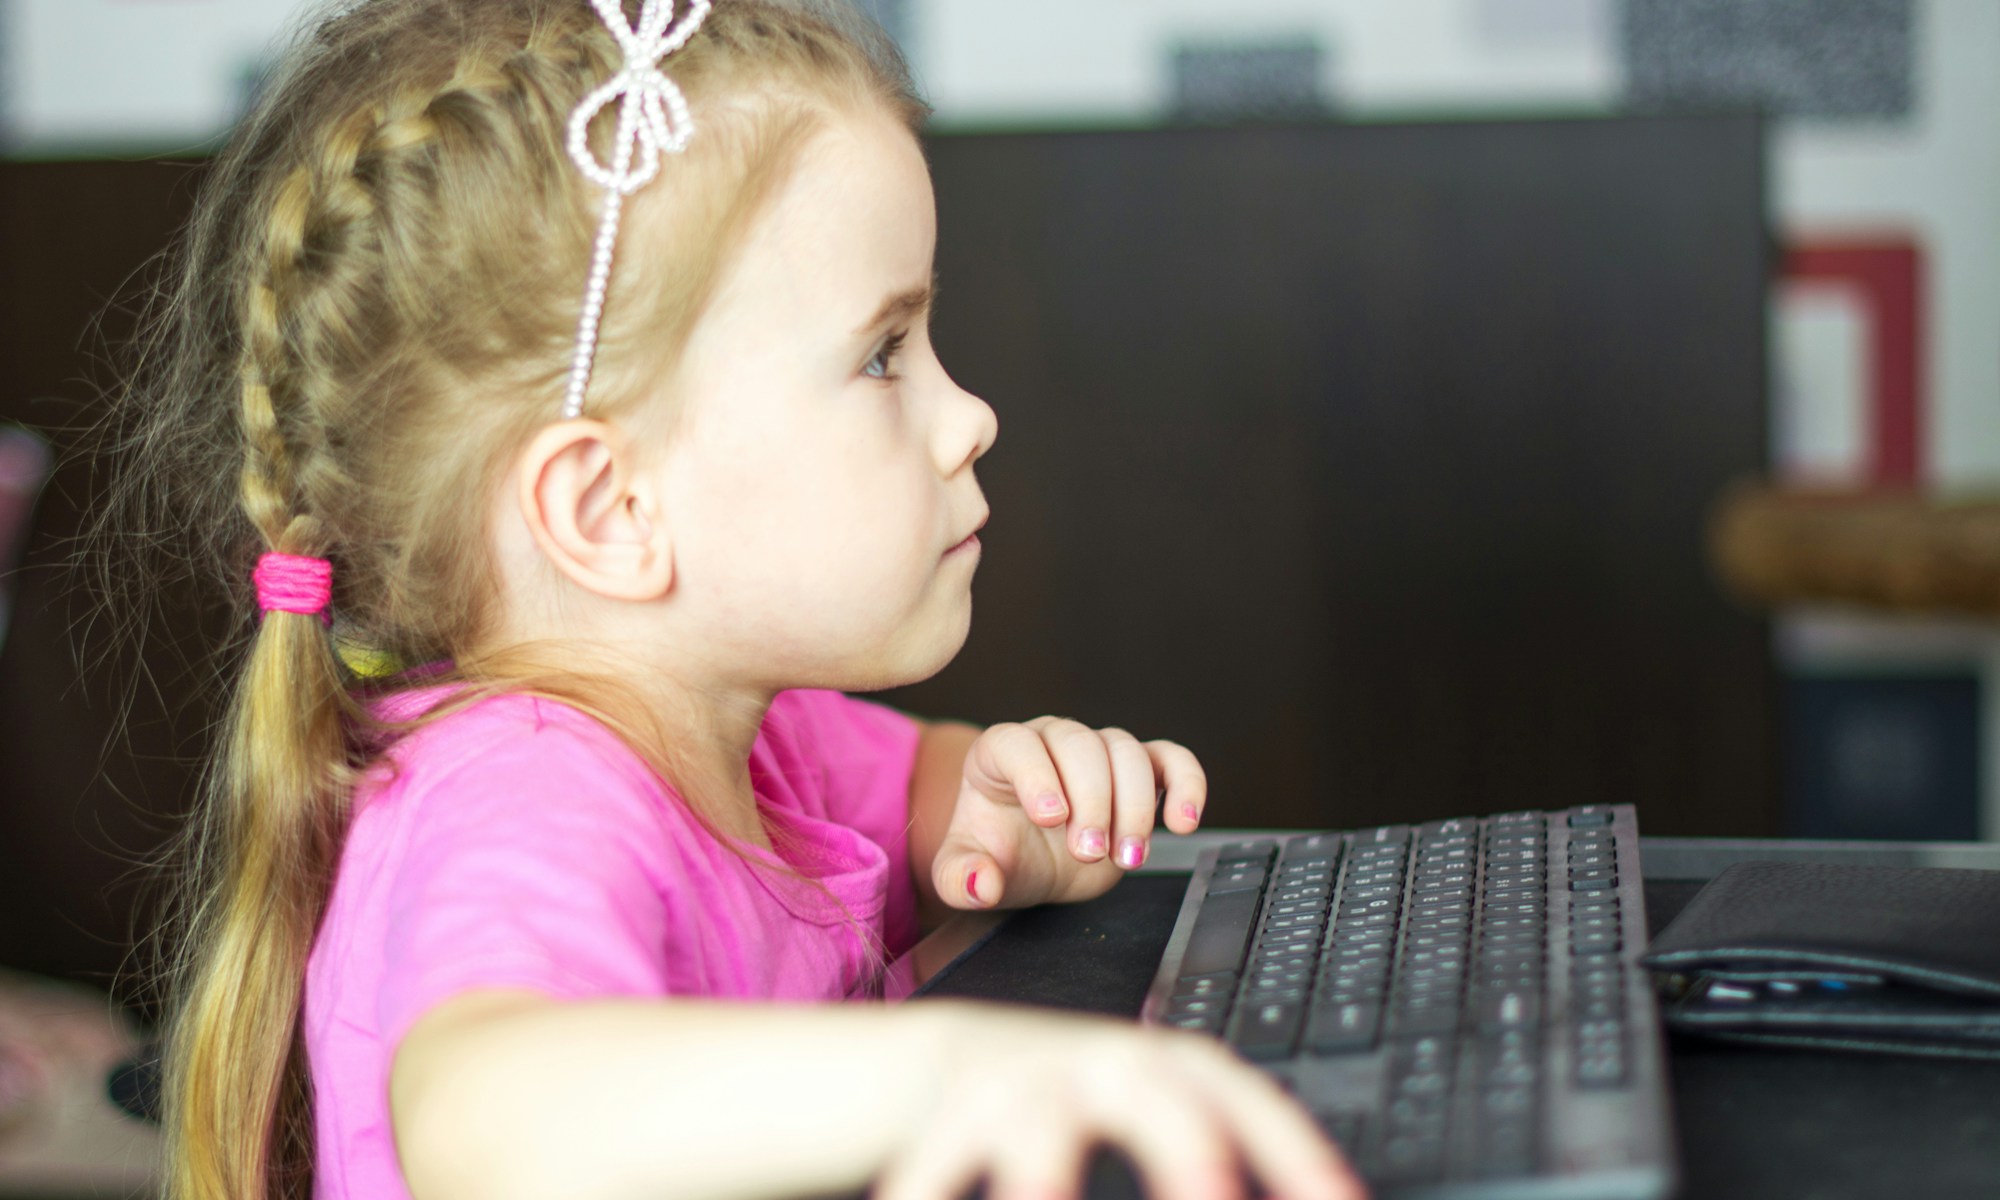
501,1094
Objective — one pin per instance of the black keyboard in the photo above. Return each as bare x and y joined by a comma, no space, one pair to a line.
1460,1003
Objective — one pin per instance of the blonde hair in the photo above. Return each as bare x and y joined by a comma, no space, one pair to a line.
371,311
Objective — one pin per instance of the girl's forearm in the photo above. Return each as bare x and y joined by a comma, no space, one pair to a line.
509,1094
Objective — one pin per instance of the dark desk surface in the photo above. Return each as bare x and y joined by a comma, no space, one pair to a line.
1752,1123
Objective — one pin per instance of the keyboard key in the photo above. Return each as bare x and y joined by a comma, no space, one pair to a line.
1410,1160
1318,848
1448,935
1286,974
1601,1071
1221,932
1197,1023
1450,826
1511,1008
1257,851
1199,1006
1236,877
1444,879
1600,1008
1294,955
1333,996
1274,993
1419,1114
1266,1032
1205,985
1298,935
1348,1028
1383,910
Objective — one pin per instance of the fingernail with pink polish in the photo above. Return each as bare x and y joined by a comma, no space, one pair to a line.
1090,843
972,886
1131,852
1188,810
1048,804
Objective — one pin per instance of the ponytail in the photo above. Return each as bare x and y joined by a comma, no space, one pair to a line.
237,1101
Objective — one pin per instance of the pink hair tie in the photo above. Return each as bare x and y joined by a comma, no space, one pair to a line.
294,584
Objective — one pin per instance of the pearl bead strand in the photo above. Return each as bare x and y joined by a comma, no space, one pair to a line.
653,119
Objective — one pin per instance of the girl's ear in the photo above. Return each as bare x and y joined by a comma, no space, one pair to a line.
593,513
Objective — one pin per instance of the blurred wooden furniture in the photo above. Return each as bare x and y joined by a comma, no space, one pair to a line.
1894,550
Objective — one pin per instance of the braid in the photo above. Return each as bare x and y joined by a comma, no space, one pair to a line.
298,311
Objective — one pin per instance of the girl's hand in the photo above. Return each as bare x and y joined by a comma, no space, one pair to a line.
1053,810
1023,1094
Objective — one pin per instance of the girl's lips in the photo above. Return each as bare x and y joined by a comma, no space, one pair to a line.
971,542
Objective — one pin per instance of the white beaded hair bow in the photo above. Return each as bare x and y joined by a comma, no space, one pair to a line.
652,119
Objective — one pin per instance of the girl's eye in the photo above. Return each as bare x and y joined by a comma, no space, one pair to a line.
886,356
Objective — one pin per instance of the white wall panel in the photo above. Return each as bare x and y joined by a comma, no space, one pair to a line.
131,73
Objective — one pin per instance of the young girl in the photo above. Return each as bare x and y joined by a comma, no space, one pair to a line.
537,766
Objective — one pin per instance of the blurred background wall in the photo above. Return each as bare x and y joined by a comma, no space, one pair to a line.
1881,136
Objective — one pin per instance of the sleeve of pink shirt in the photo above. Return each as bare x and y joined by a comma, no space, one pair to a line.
867,752
541,860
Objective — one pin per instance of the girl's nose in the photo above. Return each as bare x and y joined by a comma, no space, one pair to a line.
968,430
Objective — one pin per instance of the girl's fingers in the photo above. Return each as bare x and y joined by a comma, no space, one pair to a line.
968,880
1013,760
1133,798
1180,1149
1186,784
1085,766
1282,1145
1040,1154
931,1166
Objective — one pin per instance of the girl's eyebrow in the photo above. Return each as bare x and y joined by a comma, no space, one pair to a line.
902,306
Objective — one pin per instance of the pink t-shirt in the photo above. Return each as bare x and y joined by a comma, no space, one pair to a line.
521,844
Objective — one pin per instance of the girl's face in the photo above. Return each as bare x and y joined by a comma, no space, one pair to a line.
824,473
